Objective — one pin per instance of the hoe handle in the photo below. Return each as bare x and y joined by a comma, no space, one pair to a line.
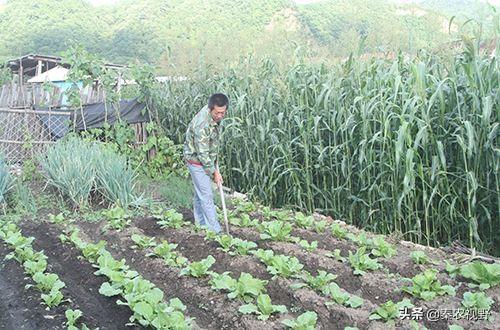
223,200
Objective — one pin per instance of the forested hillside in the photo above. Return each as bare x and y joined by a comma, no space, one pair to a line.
184,32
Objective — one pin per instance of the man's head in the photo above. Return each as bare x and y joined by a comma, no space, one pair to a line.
217,104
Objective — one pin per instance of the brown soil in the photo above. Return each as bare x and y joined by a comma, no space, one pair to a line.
82,286
376,287
20,308
334,317
364,286
214,310
211,310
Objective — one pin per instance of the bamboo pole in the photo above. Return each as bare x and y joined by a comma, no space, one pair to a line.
22,142
35,112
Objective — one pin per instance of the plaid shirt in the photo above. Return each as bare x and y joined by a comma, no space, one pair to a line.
202,141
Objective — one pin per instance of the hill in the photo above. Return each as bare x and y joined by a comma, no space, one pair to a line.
215,31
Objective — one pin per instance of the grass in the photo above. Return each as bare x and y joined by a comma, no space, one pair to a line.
177,191
5,180
23,196
174,190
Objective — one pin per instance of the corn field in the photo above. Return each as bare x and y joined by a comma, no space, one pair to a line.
405,145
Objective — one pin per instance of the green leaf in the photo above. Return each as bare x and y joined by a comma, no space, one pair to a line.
276,231
450,290
144,310
477,300
362,262
53,298
320,226
248,309
484,286
284,266
381,248
289,323
247,286
199,268
355,301
427,286
419,257
280,309
452,269
107,290
387,311
154,296
305,321
72,316
223,282
455,327
482,273
177,304
428,295
296,286
338,231
264,304
336,255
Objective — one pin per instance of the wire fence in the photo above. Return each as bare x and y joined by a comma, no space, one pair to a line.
26,133
31,118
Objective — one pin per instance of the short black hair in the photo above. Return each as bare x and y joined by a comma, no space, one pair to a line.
217,99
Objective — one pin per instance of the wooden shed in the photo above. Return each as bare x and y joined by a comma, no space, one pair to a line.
33,116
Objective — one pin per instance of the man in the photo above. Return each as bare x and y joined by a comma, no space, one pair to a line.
200,152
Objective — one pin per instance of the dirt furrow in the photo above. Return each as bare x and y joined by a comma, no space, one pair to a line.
21,308
372,283
332,317
367,286
401,263
82,286
211,310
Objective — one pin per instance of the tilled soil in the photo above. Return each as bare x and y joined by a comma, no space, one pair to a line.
21,308
376,286
279,289
213,309
82,286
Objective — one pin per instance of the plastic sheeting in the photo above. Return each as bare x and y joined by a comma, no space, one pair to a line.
94,116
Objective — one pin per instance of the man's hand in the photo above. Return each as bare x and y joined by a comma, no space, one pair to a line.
218,178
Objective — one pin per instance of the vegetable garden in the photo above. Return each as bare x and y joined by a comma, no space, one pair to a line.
150,266
88,241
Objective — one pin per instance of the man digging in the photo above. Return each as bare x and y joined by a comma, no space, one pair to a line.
200,152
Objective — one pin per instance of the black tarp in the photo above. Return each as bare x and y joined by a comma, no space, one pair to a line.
58,125
94,116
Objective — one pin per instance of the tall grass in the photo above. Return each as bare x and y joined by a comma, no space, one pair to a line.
407,145
6,180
